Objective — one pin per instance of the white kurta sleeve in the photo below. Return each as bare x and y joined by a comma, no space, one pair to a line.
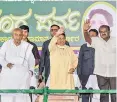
31,62
3,50
95,42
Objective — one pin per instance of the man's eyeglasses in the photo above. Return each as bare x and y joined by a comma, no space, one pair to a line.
103,32
53,30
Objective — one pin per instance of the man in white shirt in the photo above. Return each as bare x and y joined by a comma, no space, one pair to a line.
105,59
17,62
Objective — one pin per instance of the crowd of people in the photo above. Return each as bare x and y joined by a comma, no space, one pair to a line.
58,63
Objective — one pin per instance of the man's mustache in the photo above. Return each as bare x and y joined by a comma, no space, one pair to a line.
104,34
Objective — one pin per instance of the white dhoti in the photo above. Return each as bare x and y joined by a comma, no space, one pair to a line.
15,78
16,98
92,83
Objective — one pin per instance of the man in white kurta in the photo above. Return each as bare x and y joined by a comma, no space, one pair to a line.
17,63
105,59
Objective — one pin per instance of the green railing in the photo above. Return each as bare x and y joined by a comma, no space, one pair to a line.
47,91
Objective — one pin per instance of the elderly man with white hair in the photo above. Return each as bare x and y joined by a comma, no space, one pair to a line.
17,62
